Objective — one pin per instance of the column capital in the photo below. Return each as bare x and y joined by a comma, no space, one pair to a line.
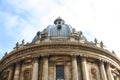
74,55
83,59
46,56
101,62
108,64
35,59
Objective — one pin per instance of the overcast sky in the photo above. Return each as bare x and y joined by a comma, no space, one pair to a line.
21,19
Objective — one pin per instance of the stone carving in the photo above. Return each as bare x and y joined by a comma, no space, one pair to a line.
95,40
80,34
39,34
73,30
23,41
17,44
5,54
101,44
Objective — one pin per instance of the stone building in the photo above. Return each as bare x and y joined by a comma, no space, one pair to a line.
60,52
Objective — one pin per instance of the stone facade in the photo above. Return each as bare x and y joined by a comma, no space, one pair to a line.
62,57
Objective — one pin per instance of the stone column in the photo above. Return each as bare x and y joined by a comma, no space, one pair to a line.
45,68
67,72
17,71
102,70
74,68
84,69
35,69
109,74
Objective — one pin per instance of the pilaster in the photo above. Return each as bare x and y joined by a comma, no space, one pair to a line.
74,68
35,69
102,71
45,68
84,68
109,74
17,71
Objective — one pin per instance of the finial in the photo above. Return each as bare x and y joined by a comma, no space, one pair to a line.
95,40
23,41
80,33
6,53
17,44
38,33
113,52
73,30
101,44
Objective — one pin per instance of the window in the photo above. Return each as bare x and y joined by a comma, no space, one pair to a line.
93,74
59,72
5,76
27,74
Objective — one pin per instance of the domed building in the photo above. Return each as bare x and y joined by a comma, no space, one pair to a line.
59,52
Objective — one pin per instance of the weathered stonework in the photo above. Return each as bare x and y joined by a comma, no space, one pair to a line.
78,58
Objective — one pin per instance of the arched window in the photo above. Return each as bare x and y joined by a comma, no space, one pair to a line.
5,76
27,74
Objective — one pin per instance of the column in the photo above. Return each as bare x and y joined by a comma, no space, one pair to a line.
17,71
67,72
74,68
109,74
45,68
102,70
84,69
35,69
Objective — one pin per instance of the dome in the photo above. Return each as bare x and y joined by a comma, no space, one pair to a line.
59,31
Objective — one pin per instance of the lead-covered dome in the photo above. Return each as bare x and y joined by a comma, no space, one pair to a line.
59,31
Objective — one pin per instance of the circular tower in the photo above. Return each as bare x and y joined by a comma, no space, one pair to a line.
59,52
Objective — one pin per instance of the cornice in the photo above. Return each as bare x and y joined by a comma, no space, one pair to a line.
35,49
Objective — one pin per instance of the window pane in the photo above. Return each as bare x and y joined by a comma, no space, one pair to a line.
59,72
